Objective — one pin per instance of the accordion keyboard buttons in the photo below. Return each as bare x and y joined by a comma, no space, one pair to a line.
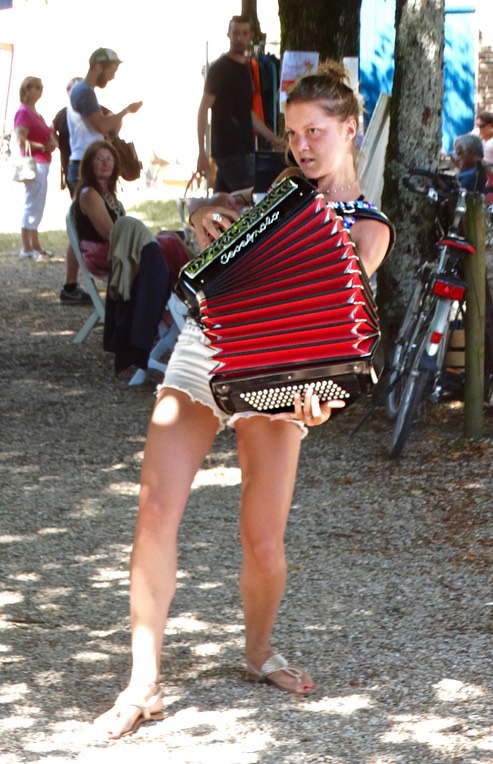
273,398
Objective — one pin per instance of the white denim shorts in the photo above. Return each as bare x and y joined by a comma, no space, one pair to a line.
190,369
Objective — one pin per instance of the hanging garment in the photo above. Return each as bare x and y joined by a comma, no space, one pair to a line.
257,104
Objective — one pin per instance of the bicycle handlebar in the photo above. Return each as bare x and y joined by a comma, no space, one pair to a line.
437,186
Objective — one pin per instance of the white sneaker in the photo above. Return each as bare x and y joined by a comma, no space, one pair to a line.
24,255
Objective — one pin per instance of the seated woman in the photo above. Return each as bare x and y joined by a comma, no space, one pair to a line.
97,208
96,205
122,251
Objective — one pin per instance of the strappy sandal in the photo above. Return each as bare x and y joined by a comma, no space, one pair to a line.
127,699
279,663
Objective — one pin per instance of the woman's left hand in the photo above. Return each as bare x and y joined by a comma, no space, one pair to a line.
310,411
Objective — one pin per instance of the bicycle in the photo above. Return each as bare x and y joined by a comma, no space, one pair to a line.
435,310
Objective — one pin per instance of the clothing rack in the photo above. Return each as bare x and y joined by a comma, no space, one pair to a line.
266,69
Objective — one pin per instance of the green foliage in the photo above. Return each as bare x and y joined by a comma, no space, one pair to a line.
157,214
55,241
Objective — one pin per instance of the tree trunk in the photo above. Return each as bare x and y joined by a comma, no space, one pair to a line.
249,9
330,27
414,140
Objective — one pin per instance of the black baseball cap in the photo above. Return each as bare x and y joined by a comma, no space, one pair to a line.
103,56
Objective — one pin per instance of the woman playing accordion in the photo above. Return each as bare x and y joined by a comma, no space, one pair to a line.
321,119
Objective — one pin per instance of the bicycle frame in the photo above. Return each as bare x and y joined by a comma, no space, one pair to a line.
449,289
424,335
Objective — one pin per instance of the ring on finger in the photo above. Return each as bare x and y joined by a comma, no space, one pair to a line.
217,217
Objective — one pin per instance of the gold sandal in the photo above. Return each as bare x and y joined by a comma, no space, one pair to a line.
279,663
128,699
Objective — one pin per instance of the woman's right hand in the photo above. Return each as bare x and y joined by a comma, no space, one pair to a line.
210,221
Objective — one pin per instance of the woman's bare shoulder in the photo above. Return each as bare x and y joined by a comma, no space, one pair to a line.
90,199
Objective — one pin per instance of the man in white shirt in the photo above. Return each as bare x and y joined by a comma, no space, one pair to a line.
88,122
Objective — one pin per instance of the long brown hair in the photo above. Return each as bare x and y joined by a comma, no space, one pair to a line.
87,175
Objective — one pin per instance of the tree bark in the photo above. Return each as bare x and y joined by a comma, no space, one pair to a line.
330,27
249,9
414,141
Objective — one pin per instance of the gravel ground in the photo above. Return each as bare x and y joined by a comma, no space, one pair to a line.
389,600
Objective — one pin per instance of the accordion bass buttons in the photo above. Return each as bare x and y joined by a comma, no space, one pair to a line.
273,393
281,398
276,398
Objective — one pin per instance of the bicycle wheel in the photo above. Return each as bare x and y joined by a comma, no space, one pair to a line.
412,398
412,387
410,330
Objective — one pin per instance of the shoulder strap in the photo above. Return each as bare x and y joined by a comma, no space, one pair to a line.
363,209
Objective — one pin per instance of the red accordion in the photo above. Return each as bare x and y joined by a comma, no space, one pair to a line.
285,302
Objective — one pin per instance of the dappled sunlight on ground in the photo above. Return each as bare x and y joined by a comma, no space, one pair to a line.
388,600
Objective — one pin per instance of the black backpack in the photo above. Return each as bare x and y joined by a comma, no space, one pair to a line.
61,128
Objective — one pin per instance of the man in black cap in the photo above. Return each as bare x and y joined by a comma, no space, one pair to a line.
88,122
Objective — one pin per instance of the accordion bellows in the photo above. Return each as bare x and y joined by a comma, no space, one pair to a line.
286,303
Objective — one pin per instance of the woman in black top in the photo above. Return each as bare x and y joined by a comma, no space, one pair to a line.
96,205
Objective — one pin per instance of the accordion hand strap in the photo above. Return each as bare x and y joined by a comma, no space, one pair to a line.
363,209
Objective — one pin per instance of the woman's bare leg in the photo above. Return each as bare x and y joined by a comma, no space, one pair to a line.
179,437
26,240
268,453
36,245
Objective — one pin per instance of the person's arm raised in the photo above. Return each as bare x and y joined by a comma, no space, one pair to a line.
108,123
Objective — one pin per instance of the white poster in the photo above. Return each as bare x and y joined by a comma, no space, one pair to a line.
295,64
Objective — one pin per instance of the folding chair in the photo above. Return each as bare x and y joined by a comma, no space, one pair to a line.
168,332
196,188
168,329
97,316
176,254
